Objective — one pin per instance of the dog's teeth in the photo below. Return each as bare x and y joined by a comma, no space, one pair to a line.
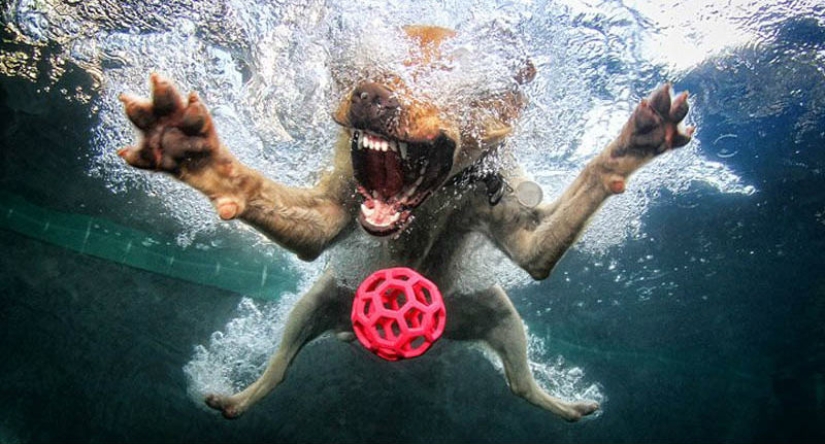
367,211
402,147
359,139
384,145
418,182
393,146
411,190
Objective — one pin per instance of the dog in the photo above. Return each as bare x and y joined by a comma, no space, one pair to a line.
407,172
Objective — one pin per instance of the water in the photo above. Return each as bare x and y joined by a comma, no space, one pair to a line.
691,308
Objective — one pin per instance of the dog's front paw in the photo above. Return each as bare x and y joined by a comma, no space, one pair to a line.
174,132
224,404
654,128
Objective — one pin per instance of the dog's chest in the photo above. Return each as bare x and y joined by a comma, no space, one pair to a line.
426,245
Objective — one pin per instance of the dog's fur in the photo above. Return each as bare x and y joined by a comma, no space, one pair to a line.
179,138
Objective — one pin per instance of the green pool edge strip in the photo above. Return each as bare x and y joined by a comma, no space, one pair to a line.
107,240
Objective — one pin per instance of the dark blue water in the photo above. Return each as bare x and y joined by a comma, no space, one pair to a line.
93,350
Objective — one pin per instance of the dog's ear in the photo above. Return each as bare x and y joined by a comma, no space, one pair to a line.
508,106
494,131
493,117
429,39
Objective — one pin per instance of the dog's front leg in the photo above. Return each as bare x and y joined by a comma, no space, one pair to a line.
490,316
537,238
179,138
324,307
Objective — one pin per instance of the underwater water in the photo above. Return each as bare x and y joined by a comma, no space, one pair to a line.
692,308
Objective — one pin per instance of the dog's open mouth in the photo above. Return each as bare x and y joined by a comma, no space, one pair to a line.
396,176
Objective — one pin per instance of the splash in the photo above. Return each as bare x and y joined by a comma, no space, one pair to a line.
553,373
235,357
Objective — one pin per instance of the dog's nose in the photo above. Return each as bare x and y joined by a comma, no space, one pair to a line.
374,107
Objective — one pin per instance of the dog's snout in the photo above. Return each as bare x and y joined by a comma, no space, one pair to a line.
373,107
373,94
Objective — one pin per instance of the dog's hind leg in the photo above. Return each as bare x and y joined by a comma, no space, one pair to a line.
492,318
319,310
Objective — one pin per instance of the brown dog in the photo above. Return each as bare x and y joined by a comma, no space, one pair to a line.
419,187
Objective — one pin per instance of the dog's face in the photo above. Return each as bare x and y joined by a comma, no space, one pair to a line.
404,147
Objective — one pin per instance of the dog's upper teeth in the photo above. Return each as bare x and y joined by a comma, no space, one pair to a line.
402,147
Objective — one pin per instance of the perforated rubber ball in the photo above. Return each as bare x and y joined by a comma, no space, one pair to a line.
398,314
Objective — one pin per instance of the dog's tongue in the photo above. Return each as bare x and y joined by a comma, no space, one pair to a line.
384,173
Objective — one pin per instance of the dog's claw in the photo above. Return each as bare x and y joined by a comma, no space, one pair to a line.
166,99
660,99
679,108
138,110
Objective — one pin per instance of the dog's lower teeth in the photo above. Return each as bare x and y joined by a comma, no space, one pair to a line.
367,211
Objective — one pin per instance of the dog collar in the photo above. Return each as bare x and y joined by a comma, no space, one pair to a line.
493,180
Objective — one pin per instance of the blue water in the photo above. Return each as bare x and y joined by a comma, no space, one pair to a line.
702,324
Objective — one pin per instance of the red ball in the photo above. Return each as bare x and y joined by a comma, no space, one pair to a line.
397,313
